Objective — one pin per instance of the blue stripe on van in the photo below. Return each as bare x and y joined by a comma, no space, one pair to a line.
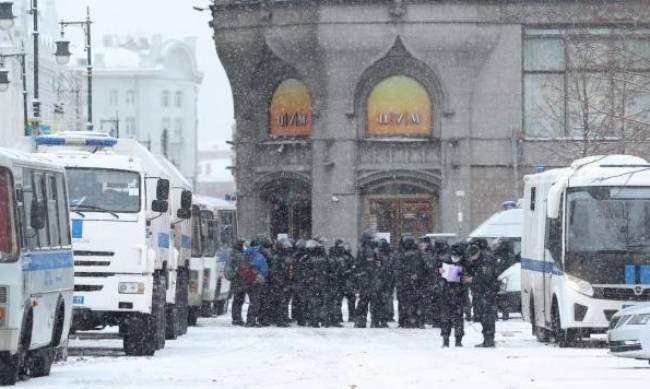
186,242
645,274
35,261
77,229
540,266
630,274
163,240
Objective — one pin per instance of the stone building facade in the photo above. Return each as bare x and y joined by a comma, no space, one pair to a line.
417,116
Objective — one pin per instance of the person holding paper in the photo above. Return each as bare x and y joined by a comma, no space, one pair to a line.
452,295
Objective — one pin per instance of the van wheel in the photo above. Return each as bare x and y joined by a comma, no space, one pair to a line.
220,307
143,335
182,296
563,338
42,361
171,321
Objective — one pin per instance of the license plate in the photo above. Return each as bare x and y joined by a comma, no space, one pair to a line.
78,300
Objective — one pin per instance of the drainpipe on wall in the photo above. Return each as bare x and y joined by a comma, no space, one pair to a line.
514,140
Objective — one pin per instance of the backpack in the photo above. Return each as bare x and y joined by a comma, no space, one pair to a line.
245,270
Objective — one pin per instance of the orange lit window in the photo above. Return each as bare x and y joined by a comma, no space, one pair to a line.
399,106
291,111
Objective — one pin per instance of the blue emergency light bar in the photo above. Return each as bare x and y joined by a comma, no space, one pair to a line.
93,141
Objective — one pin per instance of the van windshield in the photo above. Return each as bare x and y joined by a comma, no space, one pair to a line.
7,235
104,190
609,219
608,229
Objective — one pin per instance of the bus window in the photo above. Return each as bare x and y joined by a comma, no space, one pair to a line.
29,195
207,234
41,196
53,212
8,247
63,211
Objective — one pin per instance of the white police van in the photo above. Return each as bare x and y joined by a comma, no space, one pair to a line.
196,274
180,202
120,236
585,245
178,214
36,264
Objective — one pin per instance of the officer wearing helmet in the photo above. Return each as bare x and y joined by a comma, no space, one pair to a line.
342,282
483,279
270,294
284,260
369,275
451,294
410,269
317,276
503,251
298,286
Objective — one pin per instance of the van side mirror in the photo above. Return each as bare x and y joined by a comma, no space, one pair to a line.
38,213
184,213
160,206
186,199
162,189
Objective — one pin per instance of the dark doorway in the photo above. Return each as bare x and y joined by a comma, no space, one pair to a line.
289,205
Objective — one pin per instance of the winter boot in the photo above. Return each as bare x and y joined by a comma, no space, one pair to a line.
487,343
445,342
459,342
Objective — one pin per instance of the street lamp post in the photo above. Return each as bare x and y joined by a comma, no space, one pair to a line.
6,22
63,57
4,81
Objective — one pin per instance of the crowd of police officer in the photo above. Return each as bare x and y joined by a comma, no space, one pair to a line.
302,282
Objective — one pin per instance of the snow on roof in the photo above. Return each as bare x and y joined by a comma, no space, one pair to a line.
504,224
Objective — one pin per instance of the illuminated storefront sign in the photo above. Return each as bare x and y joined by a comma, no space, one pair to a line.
399,106
291,111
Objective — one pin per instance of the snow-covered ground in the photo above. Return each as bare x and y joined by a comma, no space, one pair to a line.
215,354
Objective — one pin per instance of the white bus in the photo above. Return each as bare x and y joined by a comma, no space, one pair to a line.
585,245
120,236
36,264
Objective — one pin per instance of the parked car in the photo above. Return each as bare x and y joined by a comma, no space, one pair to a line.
629,332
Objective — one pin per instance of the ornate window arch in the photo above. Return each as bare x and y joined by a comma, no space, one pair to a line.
290,110
399,66
398,106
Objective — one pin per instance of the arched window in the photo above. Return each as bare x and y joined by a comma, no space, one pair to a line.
290,114
399,106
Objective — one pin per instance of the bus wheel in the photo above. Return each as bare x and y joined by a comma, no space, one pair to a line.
144,335
9,369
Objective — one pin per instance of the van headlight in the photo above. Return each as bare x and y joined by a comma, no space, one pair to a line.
130,288
641,319
579,285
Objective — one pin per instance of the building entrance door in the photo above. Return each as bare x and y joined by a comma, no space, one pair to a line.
289,205
400,215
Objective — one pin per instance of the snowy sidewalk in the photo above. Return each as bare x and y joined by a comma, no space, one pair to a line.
216,354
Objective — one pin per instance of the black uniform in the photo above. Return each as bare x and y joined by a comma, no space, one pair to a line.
283,260
388,282
271,291
410,277
317,277
451,298
342,282
296,271
484,294
370,273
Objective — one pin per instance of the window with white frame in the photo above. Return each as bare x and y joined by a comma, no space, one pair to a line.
178,99
586,83
165,98
178,128
130,97
130,126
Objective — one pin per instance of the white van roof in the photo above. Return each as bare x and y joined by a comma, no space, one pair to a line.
504,224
